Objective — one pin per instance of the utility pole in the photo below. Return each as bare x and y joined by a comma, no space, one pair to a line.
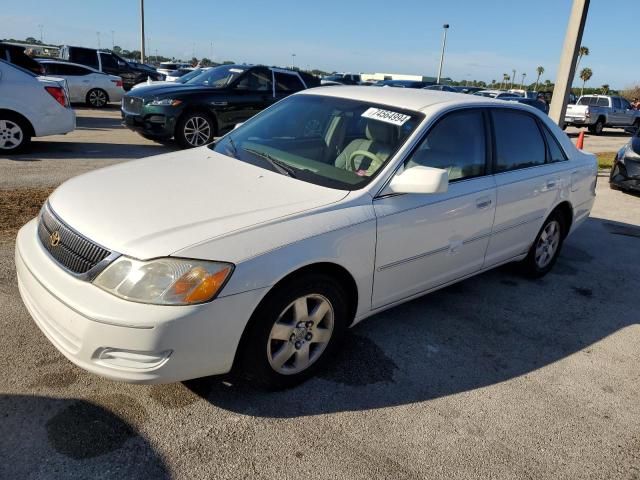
293,61
445,27
141,31
41,27
113,41
522,82
567,67
513,79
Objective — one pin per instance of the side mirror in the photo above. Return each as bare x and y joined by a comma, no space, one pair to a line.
419,179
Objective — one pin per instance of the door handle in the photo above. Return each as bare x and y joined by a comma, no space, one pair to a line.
483,202
551,184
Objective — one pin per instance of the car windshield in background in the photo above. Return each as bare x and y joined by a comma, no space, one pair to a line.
328,141
218,77
190,75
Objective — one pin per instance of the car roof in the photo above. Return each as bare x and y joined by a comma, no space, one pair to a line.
417,99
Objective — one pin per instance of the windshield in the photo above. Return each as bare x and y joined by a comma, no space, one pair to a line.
333,142
218,77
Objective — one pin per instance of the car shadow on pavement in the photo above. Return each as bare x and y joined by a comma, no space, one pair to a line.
44,437
98,123
69,151
477,333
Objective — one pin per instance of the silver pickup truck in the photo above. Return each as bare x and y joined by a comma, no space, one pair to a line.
599,111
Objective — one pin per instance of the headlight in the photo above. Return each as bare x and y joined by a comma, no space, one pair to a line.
164,281
629,153
165,102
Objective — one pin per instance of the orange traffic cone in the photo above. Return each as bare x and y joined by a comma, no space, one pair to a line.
580,142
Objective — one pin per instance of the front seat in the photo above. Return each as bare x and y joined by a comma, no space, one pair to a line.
381,139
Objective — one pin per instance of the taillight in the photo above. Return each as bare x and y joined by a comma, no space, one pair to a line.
587,113
59,95
117,82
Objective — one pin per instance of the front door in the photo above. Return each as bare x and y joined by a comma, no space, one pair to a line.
425,241
250,94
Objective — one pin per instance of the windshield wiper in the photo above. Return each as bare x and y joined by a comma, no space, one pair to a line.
233,146
279,165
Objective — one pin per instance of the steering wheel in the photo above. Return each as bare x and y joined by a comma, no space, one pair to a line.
375,160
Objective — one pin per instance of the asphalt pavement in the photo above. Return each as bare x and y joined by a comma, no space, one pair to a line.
495,377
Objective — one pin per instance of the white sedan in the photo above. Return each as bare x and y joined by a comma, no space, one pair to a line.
255,253
86,84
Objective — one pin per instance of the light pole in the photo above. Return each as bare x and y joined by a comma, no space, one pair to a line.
293,61
98,35
445,27
513,78
522,82
41,27
141,31
113,41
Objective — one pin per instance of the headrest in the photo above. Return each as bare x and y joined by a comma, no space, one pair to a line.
381,132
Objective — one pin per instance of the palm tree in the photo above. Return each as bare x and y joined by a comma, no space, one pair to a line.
605,89
583,52
585,75
493,83
522,83
505,79
540,71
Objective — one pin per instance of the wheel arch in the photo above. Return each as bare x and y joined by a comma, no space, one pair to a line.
30,130
565,210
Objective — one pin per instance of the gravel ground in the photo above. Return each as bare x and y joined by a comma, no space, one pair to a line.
495,377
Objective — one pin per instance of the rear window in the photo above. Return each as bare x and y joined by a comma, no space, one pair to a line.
519,143
287,83
84,56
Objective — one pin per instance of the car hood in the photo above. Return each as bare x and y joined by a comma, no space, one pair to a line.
158,205
174,89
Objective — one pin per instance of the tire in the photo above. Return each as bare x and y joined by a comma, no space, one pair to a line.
283,344
97,98
195,129
540,260
15,134
636,125
597,128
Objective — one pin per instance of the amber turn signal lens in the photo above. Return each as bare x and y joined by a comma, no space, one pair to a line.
208,287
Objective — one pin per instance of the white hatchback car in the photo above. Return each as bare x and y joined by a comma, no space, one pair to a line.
86,84
258,251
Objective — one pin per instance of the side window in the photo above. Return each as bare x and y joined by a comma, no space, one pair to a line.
601,101
616,102
85,57
256,81
625,104
556,154
108,61
71,70
51,68
286,82
456,143
519,142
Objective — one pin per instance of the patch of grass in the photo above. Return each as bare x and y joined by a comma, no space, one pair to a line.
605,160
19,206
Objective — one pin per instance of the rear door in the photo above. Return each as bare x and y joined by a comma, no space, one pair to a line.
528,182
425,241
286,83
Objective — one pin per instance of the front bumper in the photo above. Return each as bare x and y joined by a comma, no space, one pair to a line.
124,340
626,176
152,121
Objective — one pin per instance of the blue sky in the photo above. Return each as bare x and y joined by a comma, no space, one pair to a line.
487,38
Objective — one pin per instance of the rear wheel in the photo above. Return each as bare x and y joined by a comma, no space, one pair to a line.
14,134
294,332
545,250
97,98
597,128
194,130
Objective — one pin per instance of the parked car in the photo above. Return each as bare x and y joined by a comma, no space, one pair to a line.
31,106
402,83
210,104
549,95
342,79
16,55
524,93
442,88
534,102
599,111
498,94
109,62
625,172
257,252
176,74
169,68
180,80
469,90
86,85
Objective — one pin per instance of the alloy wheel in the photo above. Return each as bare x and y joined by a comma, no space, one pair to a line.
11,135
97,98
197,131
300,334
547,244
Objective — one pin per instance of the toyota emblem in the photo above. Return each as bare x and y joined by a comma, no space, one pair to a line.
54,239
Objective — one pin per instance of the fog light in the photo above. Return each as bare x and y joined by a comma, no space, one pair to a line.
113,357
156,119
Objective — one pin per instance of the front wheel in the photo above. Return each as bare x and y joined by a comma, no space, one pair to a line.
545,250
294,332
195,130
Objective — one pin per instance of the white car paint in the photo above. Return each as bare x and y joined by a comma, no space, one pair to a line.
24,93
202,205
82,79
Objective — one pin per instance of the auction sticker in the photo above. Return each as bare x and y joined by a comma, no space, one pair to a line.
395,118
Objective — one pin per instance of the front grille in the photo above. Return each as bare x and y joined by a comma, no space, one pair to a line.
132,105
70,249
